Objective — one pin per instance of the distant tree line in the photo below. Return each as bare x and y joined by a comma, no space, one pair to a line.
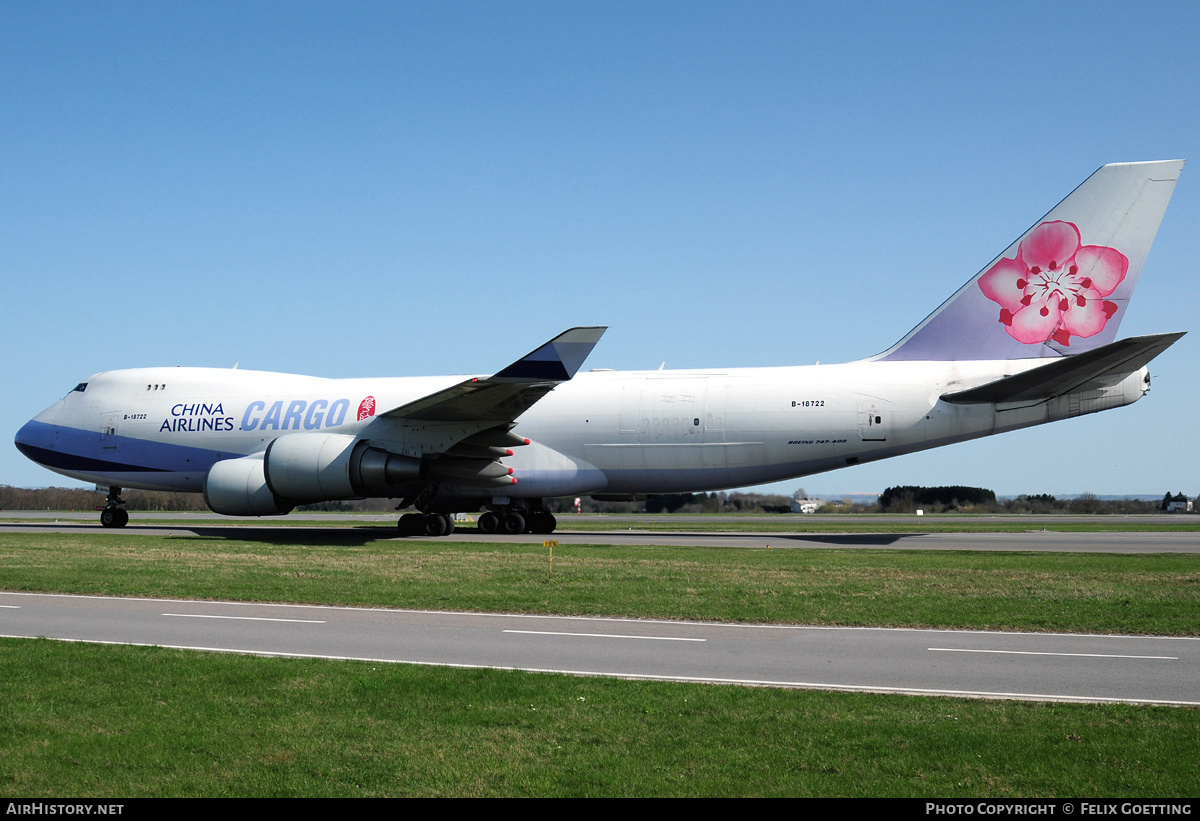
909,499
903,499
719,502
69,498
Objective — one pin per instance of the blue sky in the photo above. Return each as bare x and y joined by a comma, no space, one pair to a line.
395,189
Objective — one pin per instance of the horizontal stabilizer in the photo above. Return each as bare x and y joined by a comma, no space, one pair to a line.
509,393
1065,375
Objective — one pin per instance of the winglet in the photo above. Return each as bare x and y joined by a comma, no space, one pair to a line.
556,361
1062,287
506,395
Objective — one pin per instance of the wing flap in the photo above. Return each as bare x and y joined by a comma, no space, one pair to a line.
1117,359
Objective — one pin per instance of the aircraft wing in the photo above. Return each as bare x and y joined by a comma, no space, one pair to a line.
1065,375
510,392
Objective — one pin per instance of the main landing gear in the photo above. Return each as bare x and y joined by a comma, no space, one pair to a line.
509,520
431,524
513,520
113,515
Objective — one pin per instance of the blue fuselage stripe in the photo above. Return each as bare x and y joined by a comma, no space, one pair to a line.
83,451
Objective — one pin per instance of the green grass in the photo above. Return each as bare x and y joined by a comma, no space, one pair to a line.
96,721
865,524
383,525
1107,593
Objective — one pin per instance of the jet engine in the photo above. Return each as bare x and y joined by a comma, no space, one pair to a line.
238,487
301,468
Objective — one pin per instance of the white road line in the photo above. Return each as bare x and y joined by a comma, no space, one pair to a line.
865,688
11,606
240,618
601,635
1035,653
807,685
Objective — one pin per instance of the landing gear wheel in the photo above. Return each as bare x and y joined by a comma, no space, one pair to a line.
411,524
512,523
114,517
435,525
489,523
449,518
543,522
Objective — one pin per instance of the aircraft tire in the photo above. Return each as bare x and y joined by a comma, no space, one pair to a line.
512,524
411,524
114,517
488,523
542,523
449,517
435,525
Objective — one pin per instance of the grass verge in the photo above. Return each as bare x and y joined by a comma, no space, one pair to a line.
384,525
96,721
864,524
1068,592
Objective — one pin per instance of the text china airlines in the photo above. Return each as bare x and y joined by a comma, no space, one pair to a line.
294,414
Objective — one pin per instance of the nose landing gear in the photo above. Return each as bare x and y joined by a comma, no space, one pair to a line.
113,514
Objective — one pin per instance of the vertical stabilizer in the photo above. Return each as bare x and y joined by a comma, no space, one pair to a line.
1062,287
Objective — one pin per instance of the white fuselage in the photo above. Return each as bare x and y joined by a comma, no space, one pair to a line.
602,432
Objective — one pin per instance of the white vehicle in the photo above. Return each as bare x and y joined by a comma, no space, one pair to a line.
1028,340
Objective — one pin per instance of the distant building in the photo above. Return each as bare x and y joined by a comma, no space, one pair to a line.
806,505
1179,504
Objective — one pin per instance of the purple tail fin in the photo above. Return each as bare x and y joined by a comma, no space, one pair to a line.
1063,286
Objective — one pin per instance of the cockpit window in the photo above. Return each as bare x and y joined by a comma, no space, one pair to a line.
81,387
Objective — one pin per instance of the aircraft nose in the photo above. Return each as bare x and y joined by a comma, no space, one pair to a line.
27,439
35,439
38,438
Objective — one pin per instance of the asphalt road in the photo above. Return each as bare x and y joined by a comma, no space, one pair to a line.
371,528
1038,666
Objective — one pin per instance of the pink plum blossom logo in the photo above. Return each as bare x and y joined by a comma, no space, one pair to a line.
1055,287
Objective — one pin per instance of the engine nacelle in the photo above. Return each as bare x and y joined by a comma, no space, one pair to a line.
301,468
311,467
238,487
317,467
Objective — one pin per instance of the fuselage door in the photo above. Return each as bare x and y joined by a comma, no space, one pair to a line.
631,400
108,430
872,421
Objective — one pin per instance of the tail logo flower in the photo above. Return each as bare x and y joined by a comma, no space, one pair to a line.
1055,287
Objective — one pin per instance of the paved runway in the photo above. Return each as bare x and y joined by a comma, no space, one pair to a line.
1004,665
929,662
1034,539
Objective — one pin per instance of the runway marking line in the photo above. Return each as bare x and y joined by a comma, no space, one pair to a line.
241,618
651,677
602,635
1041,653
